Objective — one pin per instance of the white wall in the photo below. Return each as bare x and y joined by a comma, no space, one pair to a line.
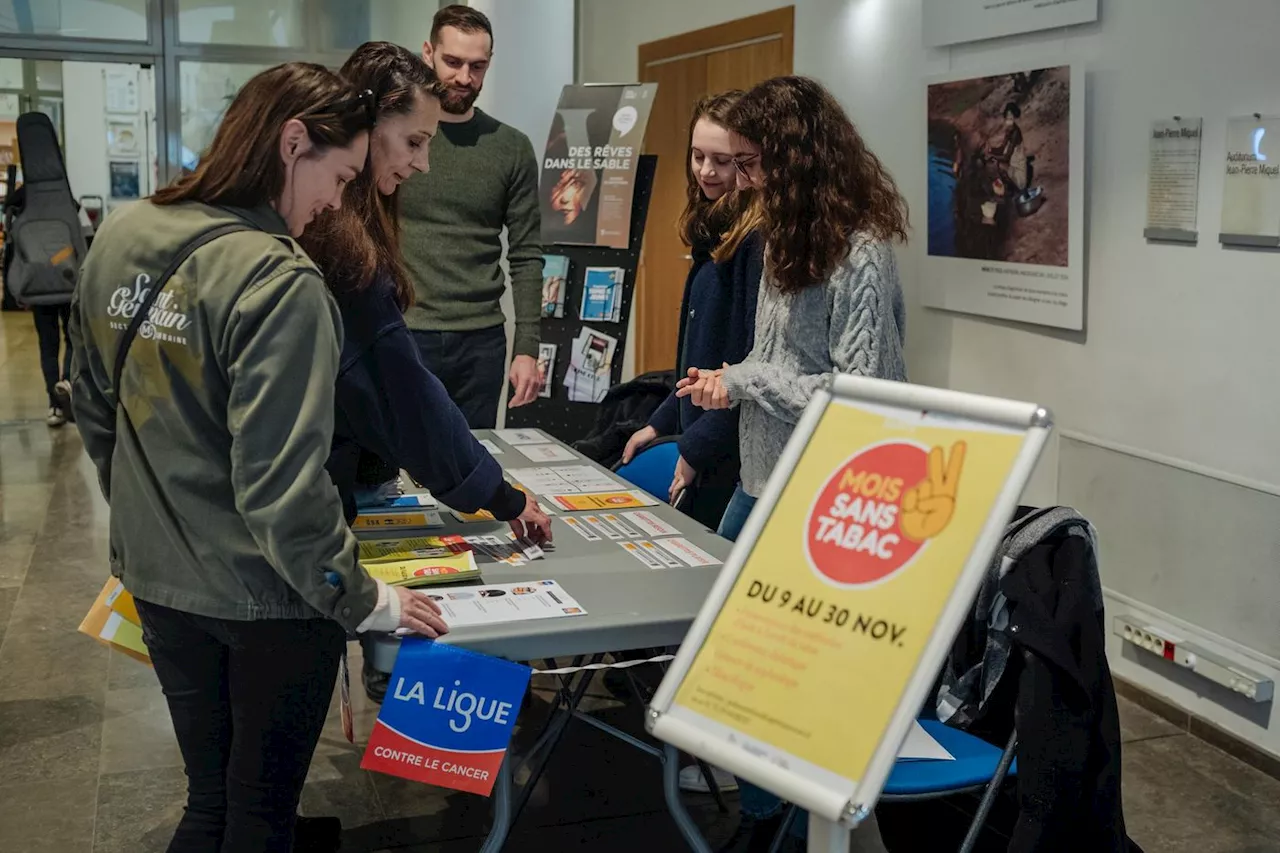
85,127
1177,361
1178,352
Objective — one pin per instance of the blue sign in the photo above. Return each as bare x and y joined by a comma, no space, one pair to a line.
448,716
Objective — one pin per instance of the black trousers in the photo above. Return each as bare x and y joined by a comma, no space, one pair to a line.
248,702
473,368
48,319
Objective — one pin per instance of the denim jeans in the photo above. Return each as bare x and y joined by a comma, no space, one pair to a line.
472,366
753,802
248,701
735,514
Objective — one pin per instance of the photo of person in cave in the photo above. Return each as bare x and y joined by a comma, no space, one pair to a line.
998,167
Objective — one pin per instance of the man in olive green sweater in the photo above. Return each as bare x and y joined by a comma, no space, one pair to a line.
484,177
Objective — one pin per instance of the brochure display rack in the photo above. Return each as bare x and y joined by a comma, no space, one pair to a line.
583,358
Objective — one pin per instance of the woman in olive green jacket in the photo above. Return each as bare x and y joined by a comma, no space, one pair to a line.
211,447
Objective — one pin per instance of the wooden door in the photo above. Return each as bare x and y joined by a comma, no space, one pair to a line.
734,55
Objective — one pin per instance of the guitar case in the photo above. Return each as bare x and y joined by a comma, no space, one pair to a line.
43,220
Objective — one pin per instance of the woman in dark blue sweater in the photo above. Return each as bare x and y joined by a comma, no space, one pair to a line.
717,316
389,406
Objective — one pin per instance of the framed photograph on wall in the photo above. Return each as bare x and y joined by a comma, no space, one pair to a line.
1006,196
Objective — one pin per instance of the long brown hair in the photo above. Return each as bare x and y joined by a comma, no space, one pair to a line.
362,239
821,182
703,220
242,166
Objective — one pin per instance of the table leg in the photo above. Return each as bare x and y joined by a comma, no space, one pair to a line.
827,837
671,790
502,819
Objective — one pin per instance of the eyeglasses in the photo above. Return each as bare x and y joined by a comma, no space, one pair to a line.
740,163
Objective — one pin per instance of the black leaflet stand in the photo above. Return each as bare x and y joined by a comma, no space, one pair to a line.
558,415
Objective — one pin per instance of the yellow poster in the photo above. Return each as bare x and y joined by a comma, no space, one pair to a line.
604,500
834,605
450,569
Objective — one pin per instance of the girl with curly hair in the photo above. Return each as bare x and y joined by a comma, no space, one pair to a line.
829,302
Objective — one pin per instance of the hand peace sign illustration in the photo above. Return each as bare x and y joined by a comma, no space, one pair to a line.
927,507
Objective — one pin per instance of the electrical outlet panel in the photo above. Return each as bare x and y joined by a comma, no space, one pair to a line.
1211,665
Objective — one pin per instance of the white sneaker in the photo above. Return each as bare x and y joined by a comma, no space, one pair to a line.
691,779
55,418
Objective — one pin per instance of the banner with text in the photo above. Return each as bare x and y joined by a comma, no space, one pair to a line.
809,657
447,717
589,166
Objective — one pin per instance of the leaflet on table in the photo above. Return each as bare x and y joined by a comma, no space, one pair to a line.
621,526
642,554
417,500
603,500
585,478
517,437
542,481
393,519
650,523
601,527
528,547
416,548
505,602
581,528
435,570
490,446
547,452
688,552
496,549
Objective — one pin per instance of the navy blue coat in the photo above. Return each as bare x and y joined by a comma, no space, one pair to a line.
717,326
390,406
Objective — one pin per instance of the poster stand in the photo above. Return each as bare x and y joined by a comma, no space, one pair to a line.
816,707
558,415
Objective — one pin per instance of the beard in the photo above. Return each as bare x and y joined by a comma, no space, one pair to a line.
457,102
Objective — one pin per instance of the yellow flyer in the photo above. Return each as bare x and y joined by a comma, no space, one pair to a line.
413,548
834,605
455,567
604,500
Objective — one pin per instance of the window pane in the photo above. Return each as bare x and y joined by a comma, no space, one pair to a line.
48,76
207,88
10,73
261,23
100,19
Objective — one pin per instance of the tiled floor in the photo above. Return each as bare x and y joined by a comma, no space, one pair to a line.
88,761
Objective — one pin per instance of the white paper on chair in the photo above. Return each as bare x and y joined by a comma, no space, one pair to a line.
919,745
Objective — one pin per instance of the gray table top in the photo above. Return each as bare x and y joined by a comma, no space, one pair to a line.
628,604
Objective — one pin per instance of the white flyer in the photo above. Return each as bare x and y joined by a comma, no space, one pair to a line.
517,437
602,527
687,551
490,446
650,523
543,481
660,555
547,452
504,602
621,526
587,478
634,549
581,529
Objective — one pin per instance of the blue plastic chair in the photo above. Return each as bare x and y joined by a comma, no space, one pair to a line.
652,468
978,766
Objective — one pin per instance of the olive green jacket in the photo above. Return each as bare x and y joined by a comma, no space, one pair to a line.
220,502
